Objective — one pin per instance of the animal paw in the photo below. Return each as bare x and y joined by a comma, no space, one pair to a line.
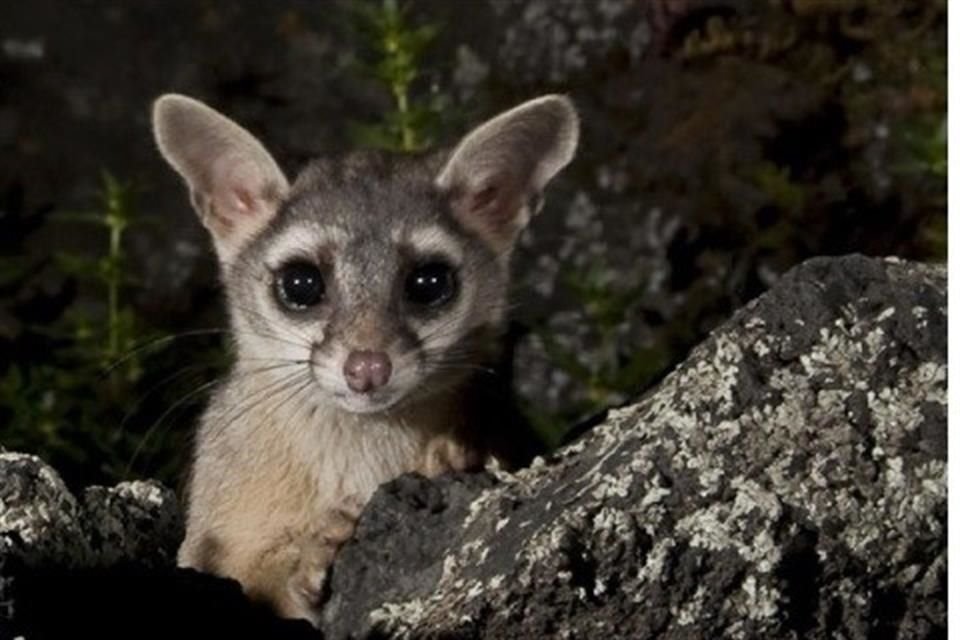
443,453
306,585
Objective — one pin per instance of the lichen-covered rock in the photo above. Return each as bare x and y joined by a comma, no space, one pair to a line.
42,524
102,566
133,520
39,517
788,481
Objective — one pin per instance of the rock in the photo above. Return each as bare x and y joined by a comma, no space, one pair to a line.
43,525
788,480
103,566
41,522
415,513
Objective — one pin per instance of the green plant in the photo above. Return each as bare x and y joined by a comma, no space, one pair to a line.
111,273
395,59
923,160
90,385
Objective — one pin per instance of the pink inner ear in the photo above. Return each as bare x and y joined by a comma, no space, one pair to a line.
243,200
495,204
235,187
483,199
234,205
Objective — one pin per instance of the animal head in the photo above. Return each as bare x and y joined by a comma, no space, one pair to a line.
383,278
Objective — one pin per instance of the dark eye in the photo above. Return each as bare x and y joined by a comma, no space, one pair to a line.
299,285
431,284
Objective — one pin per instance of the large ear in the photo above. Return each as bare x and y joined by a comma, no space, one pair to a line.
235,184
495,176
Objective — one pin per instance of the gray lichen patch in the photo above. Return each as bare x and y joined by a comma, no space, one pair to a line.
128,520
39,517
743,524
43,524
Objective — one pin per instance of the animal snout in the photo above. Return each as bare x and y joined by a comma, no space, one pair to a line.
365,371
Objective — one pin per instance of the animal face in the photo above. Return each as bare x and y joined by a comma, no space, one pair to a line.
378,279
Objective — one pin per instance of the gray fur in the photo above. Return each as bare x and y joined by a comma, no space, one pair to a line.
372,198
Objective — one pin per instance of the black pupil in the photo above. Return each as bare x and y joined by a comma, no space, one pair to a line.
300,285
431,284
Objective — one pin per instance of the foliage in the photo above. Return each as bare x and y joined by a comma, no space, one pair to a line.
886,64
396,49
88,378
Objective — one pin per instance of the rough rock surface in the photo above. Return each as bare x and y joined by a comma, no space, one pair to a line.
42,522
102,565
787,481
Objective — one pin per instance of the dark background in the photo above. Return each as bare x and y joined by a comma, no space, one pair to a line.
723,142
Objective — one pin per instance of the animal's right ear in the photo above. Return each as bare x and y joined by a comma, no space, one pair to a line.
235,184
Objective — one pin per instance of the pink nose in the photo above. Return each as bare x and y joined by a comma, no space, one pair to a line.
365,371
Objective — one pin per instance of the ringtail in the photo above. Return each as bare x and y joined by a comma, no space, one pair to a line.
367,302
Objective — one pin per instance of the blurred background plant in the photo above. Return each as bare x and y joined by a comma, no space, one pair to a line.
723,143
391,52
863,170
89,381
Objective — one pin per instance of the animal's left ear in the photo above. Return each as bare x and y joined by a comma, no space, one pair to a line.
495,176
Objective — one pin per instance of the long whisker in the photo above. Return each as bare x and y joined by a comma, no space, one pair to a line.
303,403
167,339
154,388
446,328
273,400
304,340
153,342
261,396
173,407
146,436
266,336
463,367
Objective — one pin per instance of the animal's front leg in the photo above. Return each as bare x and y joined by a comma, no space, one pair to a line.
303,588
